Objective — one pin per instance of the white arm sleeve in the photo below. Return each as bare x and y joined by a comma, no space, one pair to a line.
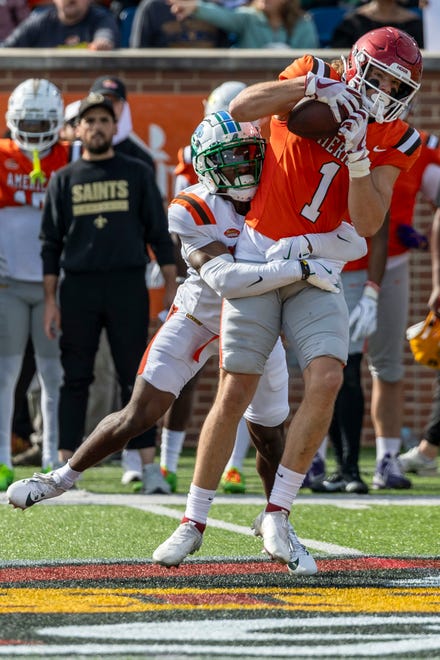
231,279
341,244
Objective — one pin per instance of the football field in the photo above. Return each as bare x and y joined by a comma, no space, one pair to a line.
77,581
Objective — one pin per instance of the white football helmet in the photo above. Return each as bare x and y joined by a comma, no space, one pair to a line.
393,52
219,143
221,96
35,114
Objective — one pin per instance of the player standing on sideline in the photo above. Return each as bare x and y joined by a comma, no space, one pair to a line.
306,186
208,218
34,118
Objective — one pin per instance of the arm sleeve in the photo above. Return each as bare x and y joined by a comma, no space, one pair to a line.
343,243
231,279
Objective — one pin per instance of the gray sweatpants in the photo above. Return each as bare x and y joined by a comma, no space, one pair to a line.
21,315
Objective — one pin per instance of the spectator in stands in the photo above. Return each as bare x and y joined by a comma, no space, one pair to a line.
67,24
12,13
154,26
377,14
261,24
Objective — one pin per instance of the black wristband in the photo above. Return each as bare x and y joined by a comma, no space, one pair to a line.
305,269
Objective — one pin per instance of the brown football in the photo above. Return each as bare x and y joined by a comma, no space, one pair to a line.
313,119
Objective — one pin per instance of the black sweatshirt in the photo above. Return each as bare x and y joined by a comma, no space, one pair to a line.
99,216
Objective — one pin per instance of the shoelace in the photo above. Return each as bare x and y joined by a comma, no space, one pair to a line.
295,544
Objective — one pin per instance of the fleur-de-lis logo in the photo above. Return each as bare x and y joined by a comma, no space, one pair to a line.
100,222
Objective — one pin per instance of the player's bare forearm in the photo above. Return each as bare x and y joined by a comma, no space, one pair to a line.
267,98
369,198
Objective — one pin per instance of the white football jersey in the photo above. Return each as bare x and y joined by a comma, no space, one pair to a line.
200,218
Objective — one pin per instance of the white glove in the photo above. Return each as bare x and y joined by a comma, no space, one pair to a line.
354,133
333,92
291,247
363,318
324,274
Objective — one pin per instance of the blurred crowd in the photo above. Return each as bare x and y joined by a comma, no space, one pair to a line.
112,24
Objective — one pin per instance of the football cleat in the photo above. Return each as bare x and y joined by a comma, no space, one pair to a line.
414,461
170,478
274,529
301,561
153,481
315,473
184,541
389,474
6,476
27,492
233,481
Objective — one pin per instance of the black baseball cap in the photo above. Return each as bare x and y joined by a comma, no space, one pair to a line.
94,100
110,85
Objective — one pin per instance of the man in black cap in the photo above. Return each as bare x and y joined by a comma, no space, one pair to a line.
99,214
128,142
125,141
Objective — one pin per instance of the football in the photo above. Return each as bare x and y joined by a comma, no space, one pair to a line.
313,119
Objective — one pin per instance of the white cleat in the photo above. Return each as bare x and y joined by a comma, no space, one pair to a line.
301,561
414,461
274,529
27,492
184,541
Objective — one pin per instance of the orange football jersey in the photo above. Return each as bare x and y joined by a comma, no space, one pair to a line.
304,185
16,188
184,166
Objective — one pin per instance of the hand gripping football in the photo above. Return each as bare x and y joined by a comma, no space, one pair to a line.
314,120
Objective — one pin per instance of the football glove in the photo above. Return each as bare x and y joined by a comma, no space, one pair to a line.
324,274
424,341
333,92
354,133
411,238
363,318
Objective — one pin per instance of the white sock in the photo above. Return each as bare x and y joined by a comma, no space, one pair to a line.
171,443
198,503
241,446
387,446
285,488
322,451
67,476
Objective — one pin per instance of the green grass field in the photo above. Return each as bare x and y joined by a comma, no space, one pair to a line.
371,525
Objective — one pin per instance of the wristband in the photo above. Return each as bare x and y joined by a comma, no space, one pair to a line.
305,268
371,290
359,168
